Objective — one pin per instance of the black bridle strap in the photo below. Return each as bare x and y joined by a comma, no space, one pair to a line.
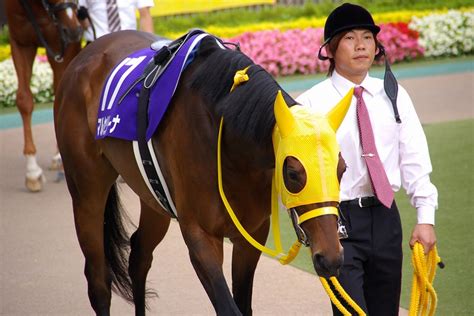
57,57
60,6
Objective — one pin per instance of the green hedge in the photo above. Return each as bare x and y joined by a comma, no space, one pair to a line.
4,35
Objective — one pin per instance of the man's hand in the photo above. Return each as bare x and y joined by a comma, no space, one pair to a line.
146,21
82,15
424,234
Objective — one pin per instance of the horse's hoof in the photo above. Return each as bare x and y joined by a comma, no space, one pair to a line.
35,184
56,163
59,176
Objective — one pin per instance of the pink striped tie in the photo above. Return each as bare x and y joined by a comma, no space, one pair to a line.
113,17
380,184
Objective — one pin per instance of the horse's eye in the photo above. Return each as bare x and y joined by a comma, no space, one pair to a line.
294,175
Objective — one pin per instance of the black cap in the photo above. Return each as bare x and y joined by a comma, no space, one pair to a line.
347,17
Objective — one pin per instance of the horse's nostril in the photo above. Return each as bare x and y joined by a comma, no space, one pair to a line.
325,267
319,261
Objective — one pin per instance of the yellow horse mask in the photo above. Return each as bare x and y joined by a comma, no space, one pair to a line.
311,138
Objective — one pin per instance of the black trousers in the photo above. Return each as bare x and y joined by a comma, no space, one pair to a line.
372,268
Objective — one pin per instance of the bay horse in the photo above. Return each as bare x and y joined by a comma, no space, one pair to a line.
186,144
52,24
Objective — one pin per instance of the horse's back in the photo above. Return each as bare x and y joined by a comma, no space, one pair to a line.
80,90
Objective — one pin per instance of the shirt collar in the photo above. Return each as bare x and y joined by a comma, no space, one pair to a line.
343,85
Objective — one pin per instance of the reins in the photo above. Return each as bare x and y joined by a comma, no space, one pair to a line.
58,57
278,252
343,294
423,295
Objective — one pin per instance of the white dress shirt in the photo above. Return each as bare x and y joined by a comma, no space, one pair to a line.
402,148
98,13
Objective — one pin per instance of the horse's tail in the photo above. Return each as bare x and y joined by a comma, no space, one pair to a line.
117,245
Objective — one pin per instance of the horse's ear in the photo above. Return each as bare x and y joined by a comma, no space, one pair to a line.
337,114
283,116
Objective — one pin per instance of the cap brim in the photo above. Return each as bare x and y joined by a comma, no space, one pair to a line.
371,27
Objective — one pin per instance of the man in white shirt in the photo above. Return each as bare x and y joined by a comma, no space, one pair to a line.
371,273
97,10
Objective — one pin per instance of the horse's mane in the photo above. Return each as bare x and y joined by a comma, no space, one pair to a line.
248,109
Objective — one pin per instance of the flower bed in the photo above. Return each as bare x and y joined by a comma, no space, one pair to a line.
294,51
291,52
290,47
314,22
450,34
41,82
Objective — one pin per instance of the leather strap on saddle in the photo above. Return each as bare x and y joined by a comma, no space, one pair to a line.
151,73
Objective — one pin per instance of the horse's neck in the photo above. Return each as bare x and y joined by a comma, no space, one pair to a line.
39,12
245,156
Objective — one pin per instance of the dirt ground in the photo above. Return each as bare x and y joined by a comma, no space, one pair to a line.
41,265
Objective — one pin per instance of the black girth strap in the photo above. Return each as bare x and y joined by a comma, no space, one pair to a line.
149,77
147,161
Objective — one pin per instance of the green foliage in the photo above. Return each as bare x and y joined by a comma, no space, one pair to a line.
287,13
4,35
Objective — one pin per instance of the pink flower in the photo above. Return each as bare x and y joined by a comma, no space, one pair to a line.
42,58
295,51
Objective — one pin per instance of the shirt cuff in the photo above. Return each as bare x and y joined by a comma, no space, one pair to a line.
426,215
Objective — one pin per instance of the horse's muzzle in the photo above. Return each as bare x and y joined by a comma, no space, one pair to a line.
327,267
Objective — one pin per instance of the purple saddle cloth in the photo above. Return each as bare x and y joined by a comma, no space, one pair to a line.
119,119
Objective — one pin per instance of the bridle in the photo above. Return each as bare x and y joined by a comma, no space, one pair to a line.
297,220
52,10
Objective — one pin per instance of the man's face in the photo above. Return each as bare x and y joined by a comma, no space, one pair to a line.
355,53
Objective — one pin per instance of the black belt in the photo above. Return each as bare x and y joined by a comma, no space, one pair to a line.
366,201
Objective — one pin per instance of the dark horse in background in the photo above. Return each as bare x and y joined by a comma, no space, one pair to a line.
186,145
52,24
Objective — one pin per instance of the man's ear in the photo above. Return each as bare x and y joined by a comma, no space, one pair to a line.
379,51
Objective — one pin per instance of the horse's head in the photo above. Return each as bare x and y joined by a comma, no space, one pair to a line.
64,15
308,169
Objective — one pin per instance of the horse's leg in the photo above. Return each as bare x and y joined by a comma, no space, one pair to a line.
89,221
244,262
99,227
206,255
23,58
151,230
58,70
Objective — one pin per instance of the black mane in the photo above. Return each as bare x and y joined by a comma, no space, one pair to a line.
248,110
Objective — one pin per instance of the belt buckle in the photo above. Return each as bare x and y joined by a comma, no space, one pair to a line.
360,202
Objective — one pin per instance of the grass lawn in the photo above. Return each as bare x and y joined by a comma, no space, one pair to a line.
452,153
13,109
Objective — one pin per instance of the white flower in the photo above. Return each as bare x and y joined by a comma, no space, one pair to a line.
449,34
41,83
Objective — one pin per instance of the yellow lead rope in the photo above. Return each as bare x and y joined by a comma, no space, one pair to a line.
423,294
278,253
344,295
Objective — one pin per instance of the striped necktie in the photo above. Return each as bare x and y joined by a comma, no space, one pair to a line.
113,17
380,184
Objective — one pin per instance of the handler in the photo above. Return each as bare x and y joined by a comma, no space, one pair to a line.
398,155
